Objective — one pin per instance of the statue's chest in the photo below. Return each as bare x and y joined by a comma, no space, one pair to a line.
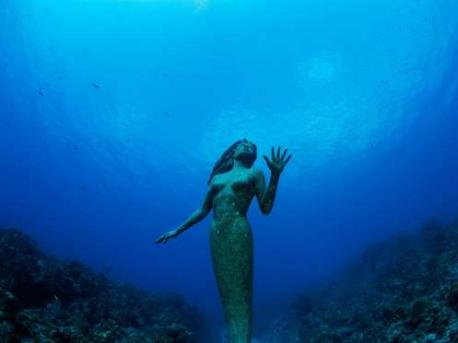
232,183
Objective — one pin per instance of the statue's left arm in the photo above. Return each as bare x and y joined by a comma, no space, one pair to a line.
266,195
195,217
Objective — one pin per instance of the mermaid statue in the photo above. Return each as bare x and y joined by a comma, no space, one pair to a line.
232,185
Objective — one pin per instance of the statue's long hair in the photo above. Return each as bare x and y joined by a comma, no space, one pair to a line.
226,161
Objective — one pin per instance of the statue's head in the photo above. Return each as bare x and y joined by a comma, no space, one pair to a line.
245,152
242,150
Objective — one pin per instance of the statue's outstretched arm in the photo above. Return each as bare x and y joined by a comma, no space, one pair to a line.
193,219
266,196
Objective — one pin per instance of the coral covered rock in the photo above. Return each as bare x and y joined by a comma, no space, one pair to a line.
43,299
402,290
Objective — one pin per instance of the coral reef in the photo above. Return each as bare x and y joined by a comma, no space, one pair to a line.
402,290
46,300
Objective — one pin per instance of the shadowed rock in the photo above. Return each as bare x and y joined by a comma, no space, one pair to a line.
402,290
43,299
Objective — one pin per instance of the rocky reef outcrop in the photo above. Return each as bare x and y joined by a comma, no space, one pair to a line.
404,290
43,299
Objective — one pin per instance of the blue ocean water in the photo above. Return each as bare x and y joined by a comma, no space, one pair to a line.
112,114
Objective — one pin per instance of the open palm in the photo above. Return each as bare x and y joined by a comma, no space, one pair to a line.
278,160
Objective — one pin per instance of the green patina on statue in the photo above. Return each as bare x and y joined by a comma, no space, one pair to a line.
232,185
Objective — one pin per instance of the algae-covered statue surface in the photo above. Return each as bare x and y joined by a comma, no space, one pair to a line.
232,185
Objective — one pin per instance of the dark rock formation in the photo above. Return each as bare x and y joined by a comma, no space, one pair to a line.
46,300
401,291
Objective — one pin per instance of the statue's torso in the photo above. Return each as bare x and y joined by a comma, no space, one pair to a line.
232,195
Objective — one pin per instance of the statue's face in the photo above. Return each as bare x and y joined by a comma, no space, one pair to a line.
245,152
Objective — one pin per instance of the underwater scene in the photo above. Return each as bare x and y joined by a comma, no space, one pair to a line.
209,171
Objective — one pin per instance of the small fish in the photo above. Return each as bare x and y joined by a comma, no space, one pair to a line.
95,85
167,114
40,92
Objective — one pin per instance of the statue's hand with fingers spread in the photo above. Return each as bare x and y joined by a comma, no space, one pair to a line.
277,161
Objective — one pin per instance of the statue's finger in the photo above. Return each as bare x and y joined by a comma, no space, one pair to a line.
164,238
267,159
289,157
272,151
278,152
284,154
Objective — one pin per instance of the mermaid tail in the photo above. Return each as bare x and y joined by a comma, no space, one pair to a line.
232,256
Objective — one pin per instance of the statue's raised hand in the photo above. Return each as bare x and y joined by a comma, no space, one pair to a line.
277,161
166,236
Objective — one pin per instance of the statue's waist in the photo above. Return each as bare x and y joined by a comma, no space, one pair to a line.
232,221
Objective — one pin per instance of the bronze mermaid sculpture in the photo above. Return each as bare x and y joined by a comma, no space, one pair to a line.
232,185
